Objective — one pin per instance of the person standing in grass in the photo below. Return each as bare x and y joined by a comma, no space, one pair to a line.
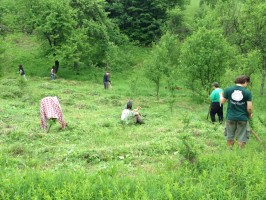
52,73
106,80
216,106
128,115
239,111
22,72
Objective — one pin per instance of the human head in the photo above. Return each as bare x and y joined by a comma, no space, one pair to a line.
242,79
20,66
129,105
215,84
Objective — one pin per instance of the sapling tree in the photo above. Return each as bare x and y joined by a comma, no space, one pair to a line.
163,61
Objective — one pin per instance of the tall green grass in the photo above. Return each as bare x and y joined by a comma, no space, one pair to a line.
96,157
176,154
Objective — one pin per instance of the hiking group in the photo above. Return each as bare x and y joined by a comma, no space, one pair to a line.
239,110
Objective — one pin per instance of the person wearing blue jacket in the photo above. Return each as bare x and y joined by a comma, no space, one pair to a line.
106,80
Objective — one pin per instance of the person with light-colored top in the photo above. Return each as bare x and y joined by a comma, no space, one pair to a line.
128,115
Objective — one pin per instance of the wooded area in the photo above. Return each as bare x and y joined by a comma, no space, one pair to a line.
205,44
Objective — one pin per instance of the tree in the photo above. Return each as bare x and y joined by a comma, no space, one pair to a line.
141,20
204,57
6,16
52,21
2,32
163,61
244,25
75,31
2,50
253,29
101,32
175,23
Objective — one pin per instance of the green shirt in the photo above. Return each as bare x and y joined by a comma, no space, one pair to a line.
215,95
237,97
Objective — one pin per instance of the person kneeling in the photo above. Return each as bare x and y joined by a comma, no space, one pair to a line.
129,115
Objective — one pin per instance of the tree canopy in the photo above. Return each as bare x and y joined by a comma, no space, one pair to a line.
141,20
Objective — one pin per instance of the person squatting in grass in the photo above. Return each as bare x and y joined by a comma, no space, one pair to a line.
239,111
128,115
216,106
22,72
106,80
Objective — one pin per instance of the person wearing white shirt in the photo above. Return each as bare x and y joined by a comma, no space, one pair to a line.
128,115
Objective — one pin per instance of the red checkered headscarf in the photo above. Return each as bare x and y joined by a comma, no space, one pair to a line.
50,108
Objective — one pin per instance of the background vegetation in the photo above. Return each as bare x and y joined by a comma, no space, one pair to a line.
163,55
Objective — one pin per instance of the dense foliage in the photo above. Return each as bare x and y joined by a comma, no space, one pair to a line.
142,20
205,56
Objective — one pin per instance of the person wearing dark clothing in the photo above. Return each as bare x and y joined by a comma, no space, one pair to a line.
106,80
216,106
21,71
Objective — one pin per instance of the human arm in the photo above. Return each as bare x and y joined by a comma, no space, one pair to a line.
222,99
137,109
249,109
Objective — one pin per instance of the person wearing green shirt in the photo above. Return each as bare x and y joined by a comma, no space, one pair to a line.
239,111
216,106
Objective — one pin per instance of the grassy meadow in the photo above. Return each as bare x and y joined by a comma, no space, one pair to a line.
176,154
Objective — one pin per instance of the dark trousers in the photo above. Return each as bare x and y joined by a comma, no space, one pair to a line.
106,84
138,119
216,108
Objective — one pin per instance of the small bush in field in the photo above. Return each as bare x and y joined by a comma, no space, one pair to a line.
189,149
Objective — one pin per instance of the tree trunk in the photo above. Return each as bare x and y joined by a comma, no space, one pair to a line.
76,67
56,64
263,74
157,88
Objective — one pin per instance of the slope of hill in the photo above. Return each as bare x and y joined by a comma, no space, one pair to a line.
176,154
96,156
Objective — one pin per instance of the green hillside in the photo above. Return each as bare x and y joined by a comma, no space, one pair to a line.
165,65
98,157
